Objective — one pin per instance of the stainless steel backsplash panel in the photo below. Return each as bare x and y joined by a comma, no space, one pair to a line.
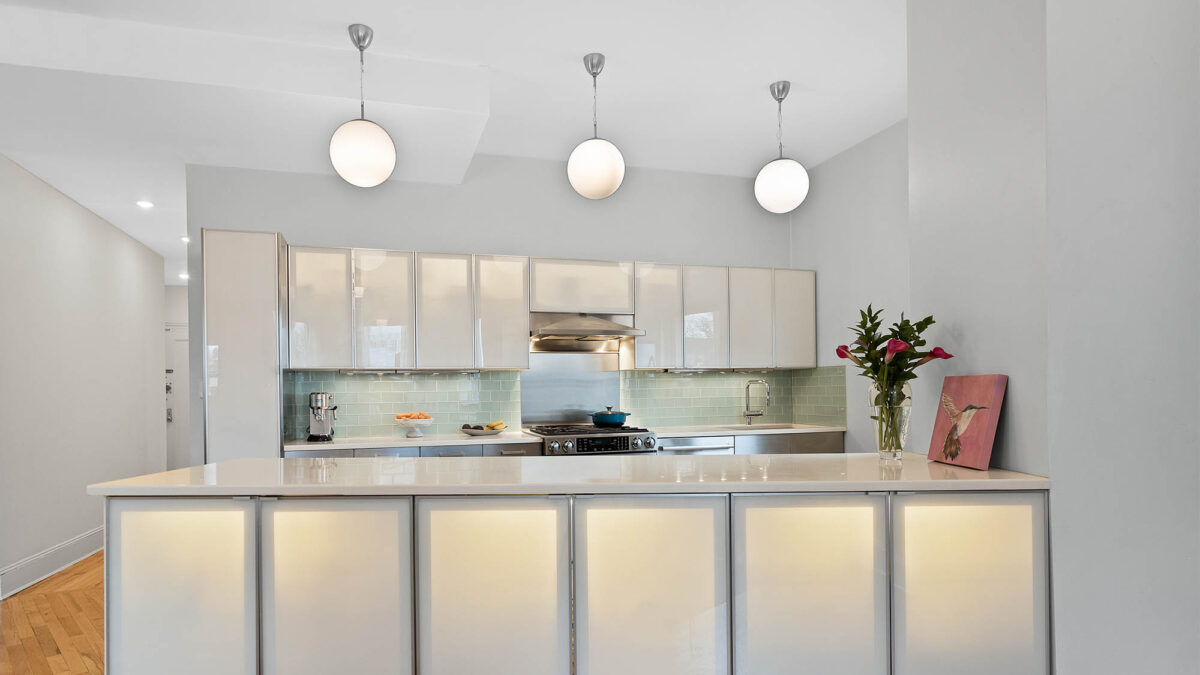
567,387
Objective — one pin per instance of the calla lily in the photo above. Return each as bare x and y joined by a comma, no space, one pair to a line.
935,353
894,347
843,351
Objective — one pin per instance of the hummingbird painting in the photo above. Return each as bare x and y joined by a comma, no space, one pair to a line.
959,421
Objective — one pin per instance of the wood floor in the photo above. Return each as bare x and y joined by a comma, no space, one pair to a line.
56,625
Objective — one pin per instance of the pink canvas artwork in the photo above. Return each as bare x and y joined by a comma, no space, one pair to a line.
965,426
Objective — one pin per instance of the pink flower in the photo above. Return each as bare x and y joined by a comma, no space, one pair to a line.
894,347
843,351
935,353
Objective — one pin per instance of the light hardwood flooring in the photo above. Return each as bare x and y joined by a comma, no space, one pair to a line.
57,625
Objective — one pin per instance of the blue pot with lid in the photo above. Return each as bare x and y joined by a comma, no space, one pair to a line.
609,418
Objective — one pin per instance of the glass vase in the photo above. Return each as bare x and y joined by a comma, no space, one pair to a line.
891,410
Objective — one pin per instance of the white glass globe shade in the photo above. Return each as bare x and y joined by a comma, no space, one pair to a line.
596,168
781,185
362,153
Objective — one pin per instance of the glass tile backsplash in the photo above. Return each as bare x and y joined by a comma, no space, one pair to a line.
367,404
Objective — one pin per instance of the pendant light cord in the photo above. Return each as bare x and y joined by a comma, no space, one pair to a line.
594,133
362,102
779,133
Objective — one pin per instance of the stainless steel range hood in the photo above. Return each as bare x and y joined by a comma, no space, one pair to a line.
553,331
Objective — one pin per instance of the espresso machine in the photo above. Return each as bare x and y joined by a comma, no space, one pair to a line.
321,414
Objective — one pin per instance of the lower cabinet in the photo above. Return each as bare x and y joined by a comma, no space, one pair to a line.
971,587
494,580
652,585
337,586
465,450
180,586
810,584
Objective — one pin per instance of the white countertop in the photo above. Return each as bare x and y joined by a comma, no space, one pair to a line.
856,472
456,438
350,443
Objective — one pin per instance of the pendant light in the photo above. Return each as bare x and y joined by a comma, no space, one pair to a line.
596,167
362,153
782,184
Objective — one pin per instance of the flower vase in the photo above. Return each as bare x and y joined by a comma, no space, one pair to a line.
891,410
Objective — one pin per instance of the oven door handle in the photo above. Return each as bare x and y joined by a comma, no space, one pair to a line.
692,448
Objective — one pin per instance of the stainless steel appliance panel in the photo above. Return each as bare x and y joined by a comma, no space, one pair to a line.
412,451
324,454
779,444
567,387
698,445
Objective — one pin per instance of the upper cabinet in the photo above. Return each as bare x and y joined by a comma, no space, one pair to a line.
319,307
795,319
659,294
705,317
751,320
384,309
445,311
588,286
501,311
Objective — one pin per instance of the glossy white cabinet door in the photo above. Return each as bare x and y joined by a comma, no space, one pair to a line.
795,319
337,586
970,583
180,587
493,575
751,321
589,286
501,311
319,307
705,317
659,294
243,301
384,309
810,580
445,311
652,585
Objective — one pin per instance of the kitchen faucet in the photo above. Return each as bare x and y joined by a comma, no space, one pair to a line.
751,414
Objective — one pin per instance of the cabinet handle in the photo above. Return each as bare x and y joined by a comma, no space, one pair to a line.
687,448
512,452
451,454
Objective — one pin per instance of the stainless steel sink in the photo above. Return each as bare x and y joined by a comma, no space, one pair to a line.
751,427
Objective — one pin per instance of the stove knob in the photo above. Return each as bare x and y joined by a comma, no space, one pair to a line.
554,447
568,446
637,443
650,442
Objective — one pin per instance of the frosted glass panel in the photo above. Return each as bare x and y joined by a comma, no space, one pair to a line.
180,587
595,286
795,319
383,309
970,575
337,586
652,586
810,584
501,311
751,318
660,314
319,307
445,311
494,585
706,317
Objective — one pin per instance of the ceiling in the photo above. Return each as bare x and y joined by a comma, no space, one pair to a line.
109,99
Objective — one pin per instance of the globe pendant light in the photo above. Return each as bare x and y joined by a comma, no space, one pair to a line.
362,153
596,167
782,184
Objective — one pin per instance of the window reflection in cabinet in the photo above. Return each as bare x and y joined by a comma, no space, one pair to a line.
319,307
705,317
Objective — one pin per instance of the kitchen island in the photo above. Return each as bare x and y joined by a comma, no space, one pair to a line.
608,564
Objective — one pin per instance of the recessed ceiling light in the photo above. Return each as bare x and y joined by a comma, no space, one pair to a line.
145,204
183,275
186,240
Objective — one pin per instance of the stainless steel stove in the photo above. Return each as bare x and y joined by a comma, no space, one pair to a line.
585,439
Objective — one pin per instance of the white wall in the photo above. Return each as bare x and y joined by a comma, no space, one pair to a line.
977,206
81,358
1124,321
504,205
853,229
